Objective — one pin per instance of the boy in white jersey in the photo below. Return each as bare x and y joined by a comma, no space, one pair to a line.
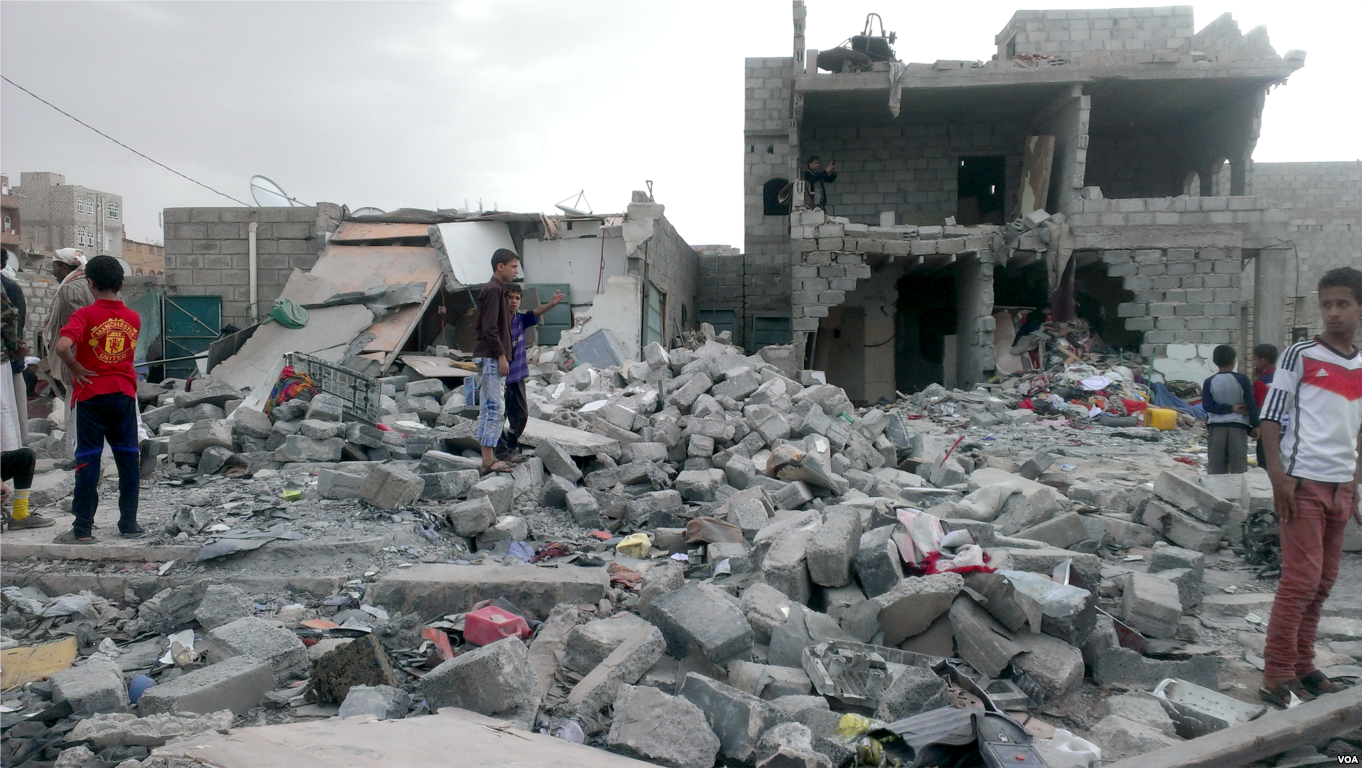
1310,432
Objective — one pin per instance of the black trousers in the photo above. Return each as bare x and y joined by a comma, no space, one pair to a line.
111,417
517,415
18,465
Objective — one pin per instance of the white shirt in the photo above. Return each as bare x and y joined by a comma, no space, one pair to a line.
1316,396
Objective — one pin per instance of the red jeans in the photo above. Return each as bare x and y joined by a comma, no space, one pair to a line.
1312,545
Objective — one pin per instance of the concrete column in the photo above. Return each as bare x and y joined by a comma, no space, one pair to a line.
1271,277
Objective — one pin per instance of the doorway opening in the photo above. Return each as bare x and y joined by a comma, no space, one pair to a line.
980,185
924,345
1097,296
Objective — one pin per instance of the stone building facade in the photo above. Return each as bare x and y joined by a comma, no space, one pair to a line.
60,215
1108,152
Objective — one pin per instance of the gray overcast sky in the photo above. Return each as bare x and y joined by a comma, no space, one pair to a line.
396,104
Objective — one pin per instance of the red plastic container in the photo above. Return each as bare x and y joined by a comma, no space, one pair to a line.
488,625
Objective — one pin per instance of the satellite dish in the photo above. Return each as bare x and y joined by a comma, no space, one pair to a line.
267,194
578,202
367,210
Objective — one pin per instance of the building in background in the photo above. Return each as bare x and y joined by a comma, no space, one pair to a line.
1099,166
9,204
144,258
60,215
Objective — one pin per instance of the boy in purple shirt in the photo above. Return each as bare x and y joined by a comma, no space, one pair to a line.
517,407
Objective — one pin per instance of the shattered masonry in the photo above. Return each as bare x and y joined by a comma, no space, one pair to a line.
850,512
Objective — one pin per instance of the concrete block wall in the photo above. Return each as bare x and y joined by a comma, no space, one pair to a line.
40,288
207,252
1221,40
1181,295
1173,211
911,169
1318,207
722,278
1110,35
674,267
769,152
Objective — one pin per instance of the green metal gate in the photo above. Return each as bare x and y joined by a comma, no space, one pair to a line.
556,320
767,331
188,325
654,301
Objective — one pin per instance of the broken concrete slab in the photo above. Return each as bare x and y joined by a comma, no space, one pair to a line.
382,702
913,692
905,611
587,645
1127,667
96,686
833,548
768,681
624,666
1069,613
1063,531
1053,663
737,718
436,589
980,639
670,730
1120,737
267,641
494,679
702,618
223,604
878,564
1150,605
472,517
765,608
125,730
1191,498
238,684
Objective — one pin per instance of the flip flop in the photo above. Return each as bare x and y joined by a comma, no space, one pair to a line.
1281,695
496,466
1319,684
70,538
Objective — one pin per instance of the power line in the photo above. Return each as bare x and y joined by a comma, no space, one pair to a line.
119,143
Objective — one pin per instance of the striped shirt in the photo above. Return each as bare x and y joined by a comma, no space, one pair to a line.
1316,396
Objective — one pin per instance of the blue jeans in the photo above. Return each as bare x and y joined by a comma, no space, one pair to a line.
111,417
491,412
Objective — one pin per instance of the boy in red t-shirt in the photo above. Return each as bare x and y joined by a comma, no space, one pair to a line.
98,345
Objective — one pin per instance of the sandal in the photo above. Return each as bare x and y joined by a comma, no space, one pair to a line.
496,466
1281,695
70,538
1319,684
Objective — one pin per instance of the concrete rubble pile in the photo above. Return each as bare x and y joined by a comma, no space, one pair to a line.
705,556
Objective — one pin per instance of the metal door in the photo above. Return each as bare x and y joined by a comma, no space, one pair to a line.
188,325
654,301
767,331
721,319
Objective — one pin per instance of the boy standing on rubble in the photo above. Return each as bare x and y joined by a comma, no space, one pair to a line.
97,346
492,352
1312,435
517,407
1230,413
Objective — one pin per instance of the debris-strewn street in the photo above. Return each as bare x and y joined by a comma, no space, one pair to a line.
705,556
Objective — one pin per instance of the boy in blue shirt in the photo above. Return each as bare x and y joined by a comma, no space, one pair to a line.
517,407
1231,412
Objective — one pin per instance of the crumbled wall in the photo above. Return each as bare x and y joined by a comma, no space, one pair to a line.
206,251
1107,35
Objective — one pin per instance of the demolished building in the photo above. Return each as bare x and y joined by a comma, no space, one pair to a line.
1119,141
630,275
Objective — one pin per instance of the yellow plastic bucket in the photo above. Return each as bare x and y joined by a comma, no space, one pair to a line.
1161,418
